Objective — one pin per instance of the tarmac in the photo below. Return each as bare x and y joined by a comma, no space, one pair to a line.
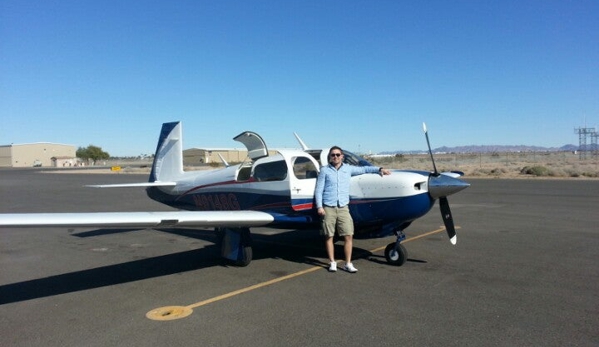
524,272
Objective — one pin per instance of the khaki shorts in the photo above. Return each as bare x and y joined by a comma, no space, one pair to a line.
337,218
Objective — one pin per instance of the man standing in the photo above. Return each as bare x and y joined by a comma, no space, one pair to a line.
332,199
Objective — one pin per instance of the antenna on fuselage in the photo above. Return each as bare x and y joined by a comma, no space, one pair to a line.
223,160
304,147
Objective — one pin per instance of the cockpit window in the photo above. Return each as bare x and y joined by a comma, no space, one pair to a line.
303,168
354,159
273,171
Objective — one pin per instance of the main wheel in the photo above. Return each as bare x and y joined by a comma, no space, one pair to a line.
245,257
396,255
235,245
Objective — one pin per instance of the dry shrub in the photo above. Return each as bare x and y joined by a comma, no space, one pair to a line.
539,171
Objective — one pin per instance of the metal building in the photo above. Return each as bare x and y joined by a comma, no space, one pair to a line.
37,154
199,156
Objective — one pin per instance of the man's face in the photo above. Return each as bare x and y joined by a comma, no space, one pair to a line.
335,157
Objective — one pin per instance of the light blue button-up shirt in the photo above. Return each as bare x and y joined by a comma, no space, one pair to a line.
332,186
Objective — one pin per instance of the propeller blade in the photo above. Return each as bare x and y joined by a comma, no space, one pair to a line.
448,220
430,151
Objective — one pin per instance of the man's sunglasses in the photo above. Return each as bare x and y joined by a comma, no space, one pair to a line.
335,154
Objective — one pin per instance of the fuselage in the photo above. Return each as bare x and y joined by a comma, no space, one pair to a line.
283,186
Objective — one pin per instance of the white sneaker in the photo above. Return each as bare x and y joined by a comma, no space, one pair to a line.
333,267
349,267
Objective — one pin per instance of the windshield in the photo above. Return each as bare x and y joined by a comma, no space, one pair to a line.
354,159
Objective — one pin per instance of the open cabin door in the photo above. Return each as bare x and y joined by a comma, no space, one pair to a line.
302,181
253,142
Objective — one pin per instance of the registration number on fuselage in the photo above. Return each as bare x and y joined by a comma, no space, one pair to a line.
216,202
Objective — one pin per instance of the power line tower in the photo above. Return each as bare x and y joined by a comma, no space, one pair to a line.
583,134
594,149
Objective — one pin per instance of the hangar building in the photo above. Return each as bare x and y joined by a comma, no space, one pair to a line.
199,156
37,154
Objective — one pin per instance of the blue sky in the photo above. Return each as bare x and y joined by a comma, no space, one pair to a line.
363,75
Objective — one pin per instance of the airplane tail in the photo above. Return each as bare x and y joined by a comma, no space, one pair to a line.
168,159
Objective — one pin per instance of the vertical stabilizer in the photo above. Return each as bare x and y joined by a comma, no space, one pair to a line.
168,159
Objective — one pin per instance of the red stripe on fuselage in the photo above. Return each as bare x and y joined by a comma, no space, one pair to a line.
300,207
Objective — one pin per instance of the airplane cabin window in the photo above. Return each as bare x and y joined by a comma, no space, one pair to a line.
315,153
303,168
244,173
273,171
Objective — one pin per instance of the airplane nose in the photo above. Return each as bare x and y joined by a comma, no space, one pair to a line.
443,185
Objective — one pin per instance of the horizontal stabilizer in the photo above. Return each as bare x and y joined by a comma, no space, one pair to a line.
231,219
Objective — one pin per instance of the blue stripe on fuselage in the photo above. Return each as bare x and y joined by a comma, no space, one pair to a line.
366,213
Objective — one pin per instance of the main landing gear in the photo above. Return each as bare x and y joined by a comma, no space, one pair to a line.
235,245
395,253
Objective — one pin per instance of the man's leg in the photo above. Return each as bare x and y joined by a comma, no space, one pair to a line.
328,230
347,247
330,248
346,226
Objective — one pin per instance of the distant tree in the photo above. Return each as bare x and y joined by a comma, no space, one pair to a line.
92,152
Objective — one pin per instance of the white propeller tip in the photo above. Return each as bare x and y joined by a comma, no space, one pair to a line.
454,240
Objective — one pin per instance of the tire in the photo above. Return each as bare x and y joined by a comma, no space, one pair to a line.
397,258
246,257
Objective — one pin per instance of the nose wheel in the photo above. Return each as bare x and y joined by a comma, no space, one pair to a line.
396,254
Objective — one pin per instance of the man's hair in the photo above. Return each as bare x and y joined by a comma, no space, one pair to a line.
335,147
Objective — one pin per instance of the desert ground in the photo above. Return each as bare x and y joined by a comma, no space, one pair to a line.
501,165
475,165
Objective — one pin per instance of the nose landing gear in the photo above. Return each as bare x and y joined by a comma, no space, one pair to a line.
395,253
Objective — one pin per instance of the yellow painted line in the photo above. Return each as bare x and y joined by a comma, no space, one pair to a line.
177,312
255,286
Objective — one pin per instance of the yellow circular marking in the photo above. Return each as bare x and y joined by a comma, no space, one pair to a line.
169,313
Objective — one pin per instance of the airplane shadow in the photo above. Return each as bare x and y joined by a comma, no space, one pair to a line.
136,270
107,275
300,246
380,259
102,232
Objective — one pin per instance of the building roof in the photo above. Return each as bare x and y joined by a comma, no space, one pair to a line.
36,143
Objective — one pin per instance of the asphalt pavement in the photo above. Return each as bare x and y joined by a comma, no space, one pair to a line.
524,272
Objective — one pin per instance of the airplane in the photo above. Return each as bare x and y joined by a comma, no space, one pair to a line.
267,190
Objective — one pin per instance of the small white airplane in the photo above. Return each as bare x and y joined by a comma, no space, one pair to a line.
265,190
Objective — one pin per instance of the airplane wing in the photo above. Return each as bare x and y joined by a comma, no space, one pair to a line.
230,219
134,185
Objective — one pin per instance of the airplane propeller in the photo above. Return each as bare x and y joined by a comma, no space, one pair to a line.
429,149
448,220
440,186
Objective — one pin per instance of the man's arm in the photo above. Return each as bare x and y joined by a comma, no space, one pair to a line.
359,170
319,190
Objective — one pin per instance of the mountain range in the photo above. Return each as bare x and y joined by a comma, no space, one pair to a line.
497,148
